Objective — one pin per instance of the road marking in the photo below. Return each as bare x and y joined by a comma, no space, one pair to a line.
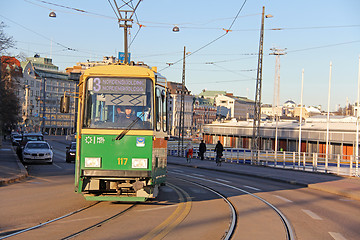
180,213
57,166
222,180
311,214
282,198
253,188
346,200
5,149
199,175
175,170
196,190
43,179
158,208
167,189
337,236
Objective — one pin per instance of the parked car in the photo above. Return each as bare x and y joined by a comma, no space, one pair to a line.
37,152
26,137
70,152
15,139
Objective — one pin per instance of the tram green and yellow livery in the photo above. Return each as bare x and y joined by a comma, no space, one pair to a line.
122,133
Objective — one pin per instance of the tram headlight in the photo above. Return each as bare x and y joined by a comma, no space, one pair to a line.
139,163
93,162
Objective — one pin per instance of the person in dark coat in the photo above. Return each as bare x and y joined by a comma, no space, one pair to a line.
219,153
202,149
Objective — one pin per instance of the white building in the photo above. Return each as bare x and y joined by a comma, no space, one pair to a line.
239,108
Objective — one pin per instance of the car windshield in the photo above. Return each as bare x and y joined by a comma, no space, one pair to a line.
118,102
33,138
73,146
37,146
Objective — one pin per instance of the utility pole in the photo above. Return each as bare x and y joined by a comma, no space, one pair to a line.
125,21
257,110
276,100
182,109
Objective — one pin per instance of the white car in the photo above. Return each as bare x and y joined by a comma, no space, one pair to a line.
37,152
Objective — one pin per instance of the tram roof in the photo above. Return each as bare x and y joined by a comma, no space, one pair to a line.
120,70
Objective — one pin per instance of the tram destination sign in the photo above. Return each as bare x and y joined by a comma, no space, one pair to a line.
117,85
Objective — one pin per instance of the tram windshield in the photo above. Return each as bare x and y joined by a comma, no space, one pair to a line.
118,103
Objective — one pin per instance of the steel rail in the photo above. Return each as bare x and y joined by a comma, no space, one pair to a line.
233,221
48,222
288,228
99,223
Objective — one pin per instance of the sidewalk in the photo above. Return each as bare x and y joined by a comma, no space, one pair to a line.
11,169
343,186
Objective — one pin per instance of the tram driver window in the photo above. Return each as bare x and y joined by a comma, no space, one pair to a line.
115,106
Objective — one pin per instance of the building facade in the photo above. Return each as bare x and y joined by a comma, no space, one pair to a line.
204,113
238,134
239,108
44,85
174,109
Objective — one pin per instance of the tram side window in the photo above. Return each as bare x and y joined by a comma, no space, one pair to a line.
164,110
158,104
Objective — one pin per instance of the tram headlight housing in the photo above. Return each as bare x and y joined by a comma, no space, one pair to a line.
139,163
93,162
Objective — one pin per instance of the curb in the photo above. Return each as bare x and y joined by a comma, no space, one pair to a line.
22,175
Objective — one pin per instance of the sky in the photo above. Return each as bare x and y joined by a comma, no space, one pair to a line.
313,34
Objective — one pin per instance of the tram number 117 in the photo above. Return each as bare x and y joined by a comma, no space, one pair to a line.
122,161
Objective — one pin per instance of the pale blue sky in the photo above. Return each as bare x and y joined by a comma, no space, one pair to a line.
314,33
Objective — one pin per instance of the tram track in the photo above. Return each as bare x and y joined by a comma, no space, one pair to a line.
286,223
99,223
162,229
157,232
48,222
233,220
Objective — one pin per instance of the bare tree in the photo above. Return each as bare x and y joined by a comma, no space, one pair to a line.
9,75
6,42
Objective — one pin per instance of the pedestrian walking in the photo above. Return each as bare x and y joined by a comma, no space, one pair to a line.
189,152
202,149
219,153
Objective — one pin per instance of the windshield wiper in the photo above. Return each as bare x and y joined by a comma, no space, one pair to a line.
127,129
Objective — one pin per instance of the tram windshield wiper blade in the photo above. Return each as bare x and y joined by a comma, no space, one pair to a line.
127,129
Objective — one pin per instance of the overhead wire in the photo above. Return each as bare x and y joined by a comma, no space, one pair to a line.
62,45
116,13
211,42
71,8
324,46
232,71
237,80
140,26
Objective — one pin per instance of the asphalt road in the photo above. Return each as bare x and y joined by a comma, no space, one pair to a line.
183,209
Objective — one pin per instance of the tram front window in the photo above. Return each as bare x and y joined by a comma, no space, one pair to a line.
118,103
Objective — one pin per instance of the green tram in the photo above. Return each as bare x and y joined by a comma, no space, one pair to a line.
122,133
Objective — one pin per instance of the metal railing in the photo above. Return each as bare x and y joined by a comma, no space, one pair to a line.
335,163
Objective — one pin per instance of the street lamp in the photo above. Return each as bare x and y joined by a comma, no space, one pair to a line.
176,29
52,15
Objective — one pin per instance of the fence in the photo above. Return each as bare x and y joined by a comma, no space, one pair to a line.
317,162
